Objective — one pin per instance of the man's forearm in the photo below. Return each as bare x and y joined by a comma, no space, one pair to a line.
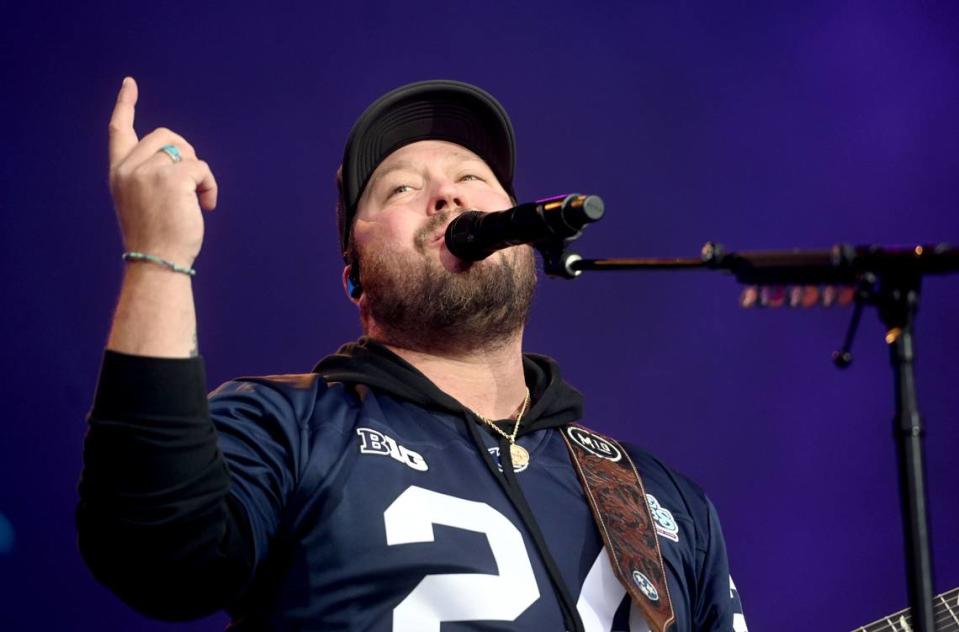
155,314
155,521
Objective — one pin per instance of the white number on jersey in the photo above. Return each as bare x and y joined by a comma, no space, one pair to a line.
503,597
463,596
600,598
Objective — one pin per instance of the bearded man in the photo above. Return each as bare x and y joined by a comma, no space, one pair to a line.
427,477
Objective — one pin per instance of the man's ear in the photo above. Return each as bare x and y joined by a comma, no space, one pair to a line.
351,283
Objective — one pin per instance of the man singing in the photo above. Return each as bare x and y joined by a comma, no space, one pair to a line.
429,476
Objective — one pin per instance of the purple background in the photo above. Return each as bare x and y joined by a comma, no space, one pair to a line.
756,126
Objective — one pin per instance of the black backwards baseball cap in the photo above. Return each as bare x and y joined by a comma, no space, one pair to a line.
426,110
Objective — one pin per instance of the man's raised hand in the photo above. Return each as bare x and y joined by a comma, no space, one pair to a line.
158,201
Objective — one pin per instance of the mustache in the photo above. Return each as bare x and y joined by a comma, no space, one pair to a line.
433,225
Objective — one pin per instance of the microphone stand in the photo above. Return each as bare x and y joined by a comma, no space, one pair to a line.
888,278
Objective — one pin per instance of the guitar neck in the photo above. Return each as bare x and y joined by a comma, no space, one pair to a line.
945,610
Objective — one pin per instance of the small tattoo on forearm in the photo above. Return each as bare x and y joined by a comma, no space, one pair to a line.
195,351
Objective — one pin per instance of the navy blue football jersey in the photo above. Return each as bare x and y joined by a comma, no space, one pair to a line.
360,497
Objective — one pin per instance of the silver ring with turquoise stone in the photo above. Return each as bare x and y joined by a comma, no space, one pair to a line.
172,152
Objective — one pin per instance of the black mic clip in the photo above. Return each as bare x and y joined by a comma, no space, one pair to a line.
557,260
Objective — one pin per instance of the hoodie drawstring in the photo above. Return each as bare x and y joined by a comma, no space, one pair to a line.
507,480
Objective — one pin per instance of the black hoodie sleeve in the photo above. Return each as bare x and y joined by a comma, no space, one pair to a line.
155,520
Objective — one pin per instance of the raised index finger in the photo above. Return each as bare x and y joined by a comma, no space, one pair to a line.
123,138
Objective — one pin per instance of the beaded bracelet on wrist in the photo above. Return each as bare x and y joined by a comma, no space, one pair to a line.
141,256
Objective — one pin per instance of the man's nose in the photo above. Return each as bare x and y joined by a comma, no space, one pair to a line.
447,197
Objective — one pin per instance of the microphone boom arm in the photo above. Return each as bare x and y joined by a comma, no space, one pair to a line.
843,264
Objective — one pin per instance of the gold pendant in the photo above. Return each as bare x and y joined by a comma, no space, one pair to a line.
518,455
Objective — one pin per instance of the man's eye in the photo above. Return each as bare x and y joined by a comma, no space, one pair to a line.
403,188
471,176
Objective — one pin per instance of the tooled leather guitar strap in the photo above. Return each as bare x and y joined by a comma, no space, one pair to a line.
618,500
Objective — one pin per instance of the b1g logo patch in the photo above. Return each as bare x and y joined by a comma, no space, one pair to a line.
646,586
665,523
375,442
594,444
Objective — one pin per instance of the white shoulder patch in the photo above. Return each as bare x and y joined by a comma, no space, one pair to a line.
665,523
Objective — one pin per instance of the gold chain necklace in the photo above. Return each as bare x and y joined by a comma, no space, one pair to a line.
517,453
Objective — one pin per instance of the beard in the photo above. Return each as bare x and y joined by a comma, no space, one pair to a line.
416,303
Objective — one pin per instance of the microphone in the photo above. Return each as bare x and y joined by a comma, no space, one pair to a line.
475,235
